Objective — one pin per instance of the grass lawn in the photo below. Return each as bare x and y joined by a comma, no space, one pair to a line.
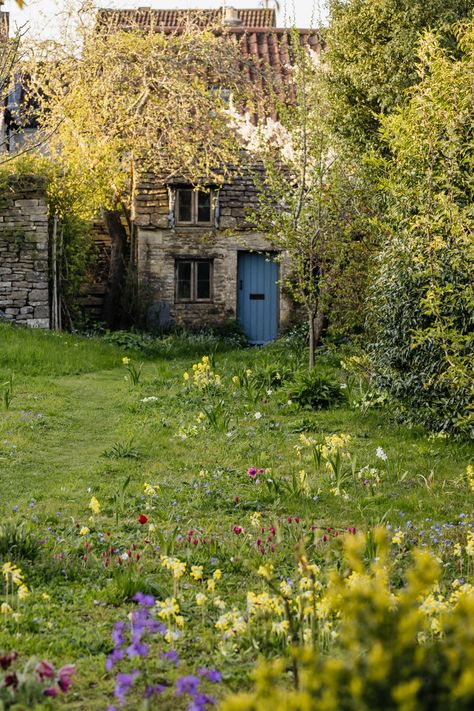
77,427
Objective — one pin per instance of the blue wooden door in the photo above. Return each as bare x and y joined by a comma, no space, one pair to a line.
257,296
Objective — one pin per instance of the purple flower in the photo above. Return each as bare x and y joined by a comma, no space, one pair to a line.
154,690
113,658
64,677
44,670
200,702
123,682
52,691
137,649
117,634
212,675
145,600
171,656
15,509
187,685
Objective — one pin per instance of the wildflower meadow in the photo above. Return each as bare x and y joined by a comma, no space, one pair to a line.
198,525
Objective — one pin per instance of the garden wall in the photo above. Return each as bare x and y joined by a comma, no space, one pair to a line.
24,292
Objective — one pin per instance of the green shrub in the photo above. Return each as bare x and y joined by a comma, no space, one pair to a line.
315,390
422,299
412,369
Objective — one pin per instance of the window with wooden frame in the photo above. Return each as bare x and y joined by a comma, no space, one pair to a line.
193,280
195,207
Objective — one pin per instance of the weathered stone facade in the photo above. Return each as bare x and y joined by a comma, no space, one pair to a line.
24,290
160,244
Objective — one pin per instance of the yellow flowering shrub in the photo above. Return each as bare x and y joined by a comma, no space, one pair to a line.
410,649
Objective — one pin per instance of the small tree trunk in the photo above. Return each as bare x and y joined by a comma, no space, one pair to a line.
115,280
312,343
319,323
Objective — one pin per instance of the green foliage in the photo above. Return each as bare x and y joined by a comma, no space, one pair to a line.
17,541
372,58
422,299
315,390
310,196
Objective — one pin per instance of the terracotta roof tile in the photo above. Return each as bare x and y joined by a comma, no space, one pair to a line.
148,18
263,45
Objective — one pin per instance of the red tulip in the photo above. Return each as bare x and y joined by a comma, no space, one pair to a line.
142,519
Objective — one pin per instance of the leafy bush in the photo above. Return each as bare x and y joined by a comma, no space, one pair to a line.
413,370
315,390
405,650
179,342
422,300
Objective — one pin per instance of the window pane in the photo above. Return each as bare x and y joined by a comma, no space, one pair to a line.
204,207
185,197
203,280
183,275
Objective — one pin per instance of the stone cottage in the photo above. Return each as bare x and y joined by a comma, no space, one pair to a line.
200,259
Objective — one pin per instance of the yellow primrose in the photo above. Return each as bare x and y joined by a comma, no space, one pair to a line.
84,531
265,571
280,627
211,585
186,376
125,360
397,539
217,574
23,592
168,608
201,599
196,572
5,608
94,506
149,489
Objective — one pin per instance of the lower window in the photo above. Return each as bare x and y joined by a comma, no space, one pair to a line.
193,280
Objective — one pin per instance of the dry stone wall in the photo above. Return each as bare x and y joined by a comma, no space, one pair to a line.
24,291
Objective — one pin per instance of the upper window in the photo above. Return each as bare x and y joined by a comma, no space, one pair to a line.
194,207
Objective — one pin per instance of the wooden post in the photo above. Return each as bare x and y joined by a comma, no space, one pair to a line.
54,270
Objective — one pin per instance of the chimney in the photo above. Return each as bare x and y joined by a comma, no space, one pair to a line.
4,23
230,17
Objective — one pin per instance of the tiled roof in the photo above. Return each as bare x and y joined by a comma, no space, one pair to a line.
262,44
147,18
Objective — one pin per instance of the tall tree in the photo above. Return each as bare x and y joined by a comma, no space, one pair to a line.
309,198
372,58
135,100
423,296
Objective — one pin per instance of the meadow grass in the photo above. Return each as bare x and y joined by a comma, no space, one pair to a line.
77,427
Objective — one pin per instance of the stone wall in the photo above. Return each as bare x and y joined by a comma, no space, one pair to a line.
24,291
159,245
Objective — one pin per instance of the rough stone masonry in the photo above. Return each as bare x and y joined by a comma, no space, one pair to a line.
24,289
